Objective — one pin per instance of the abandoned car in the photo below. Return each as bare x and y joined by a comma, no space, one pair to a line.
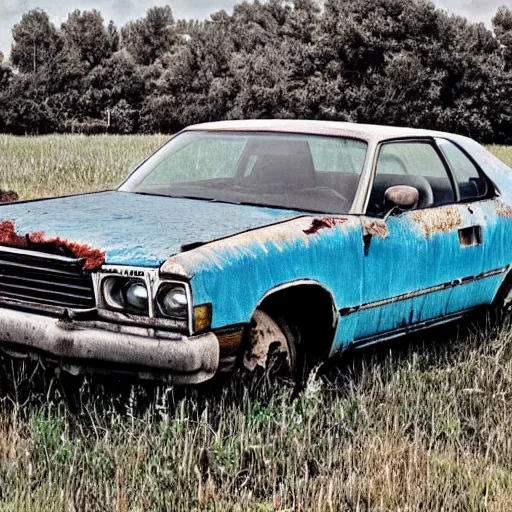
241,240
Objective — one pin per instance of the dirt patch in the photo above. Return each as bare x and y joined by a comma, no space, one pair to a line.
93,258
375,227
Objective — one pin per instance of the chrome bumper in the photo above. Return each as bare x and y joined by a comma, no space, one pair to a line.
143,352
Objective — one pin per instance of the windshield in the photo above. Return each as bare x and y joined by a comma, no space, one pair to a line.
299,172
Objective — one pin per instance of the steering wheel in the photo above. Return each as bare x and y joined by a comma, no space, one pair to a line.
331,191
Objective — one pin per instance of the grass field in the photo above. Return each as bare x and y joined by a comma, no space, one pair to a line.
420,426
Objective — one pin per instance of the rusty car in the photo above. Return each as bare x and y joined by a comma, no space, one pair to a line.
241,240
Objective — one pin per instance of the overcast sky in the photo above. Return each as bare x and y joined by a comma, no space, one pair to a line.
123,10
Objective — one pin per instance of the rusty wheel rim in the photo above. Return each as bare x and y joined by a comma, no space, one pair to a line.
269,345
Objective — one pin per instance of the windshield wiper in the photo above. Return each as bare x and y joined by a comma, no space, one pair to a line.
278,207
194,198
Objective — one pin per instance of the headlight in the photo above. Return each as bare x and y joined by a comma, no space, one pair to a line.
137,296
128,295
172,301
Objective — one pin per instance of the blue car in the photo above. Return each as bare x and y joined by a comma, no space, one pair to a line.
241,243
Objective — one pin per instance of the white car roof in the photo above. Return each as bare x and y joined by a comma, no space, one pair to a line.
366,132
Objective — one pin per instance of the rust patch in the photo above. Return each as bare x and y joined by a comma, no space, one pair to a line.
375,227
230,342
503,209
8,196
318,224
371,228
438,220
266,337
93,258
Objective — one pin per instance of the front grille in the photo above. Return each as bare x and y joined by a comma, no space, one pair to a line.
46,280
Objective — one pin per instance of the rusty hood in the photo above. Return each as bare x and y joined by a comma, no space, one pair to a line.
133,229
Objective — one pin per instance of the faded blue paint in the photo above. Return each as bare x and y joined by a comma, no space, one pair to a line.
418,256
137,229
236,273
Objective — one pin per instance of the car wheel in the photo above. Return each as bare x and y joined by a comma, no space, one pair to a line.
502,305
271,346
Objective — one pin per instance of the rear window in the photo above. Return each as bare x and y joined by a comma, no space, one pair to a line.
472,185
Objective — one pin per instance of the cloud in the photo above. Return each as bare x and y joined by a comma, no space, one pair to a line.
122,11
474,10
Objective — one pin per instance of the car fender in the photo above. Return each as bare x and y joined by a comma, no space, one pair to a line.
235,274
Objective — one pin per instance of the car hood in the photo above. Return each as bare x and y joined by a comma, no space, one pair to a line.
138,230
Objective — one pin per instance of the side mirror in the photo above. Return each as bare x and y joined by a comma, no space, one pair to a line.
403,197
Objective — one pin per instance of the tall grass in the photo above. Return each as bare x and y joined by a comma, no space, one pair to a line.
504,153
423,428
57,165
423,425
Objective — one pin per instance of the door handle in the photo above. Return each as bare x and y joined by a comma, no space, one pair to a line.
470,236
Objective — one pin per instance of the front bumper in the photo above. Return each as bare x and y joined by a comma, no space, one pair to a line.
143,352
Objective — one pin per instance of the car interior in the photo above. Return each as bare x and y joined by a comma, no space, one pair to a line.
433,190
287,167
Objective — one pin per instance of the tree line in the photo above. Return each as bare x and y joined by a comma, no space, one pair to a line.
398,62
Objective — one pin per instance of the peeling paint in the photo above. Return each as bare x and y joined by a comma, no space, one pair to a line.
93,258
251,245
435,220
374,227
318,224
238,271
503,209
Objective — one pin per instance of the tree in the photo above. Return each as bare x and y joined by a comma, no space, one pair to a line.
36,41
149,38
401,62
5,76
502,23
117,81
114,37
5,79
24,110
85,34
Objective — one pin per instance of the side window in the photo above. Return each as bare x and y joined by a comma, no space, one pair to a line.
416,164
472,185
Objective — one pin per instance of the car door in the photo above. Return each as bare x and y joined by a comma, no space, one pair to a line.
483,257
417,260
